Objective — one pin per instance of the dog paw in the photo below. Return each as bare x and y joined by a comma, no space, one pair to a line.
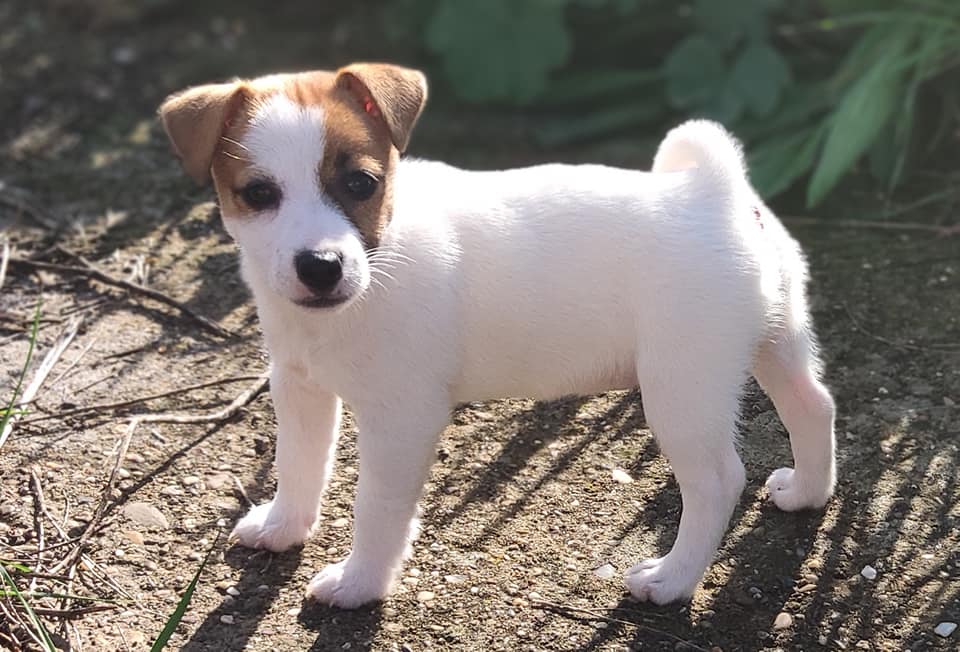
659,581
267,526
346,586
790,492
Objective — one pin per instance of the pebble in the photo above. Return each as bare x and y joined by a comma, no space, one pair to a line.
123,474
533,595
340,522
425,596
134,537
822,640
605,572
146,515
232,590
783,620
226,619
195,556
293,612
414,572
189,480
869,572
945,629
455,579
621,476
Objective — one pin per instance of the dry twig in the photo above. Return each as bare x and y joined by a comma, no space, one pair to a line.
569,611
103,407
49,360
89,271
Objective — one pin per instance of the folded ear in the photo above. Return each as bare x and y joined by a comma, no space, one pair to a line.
393,94
195,120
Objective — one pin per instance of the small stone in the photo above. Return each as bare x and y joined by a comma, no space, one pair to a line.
189,480
232,590
945,629
414,572
134,537
605,572
119,552
533,595
822,640
869,572
410,581
221,522
455,579
195,556
393,627
123,474
293,612
948,402
146,515
226,619
340,522
783,620
621,476
425,596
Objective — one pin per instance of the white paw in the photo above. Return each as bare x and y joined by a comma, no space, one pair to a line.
659,581
346,586
267,526
790,492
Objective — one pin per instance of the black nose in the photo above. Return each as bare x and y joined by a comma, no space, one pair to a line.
319,270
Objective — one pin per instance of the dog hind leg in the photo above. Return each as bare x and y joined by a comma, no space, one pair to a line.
693,412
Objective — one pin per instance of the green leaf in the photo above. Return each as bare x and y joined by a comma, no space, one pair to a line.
695,72
181,609
499,50
588,86
8,412
37,629
864,111
552,132
725,22
777,163
759,76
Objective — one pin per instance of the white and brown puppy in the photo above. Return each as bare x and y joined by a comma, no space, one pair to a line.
405,287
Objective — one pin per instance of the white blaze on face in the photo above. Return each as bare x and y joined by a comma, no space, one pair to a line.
284,143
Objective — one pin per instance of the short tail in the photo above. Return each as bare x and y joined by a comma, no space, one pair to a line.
707,146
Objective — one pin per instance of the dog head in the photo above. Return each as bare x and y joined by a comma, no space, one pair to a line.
303,165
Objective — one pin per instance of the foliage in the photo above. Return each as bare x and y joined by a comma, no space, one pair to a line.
813,88
171,625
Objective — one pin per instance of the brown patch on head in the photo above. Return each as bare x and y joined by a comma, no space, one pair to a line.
369,111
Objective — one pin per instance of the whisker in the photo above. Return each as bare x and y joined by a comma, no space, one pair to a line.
234,156
235,142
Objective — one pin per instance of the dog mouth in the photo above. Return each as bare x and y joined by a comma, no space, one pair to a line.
317,302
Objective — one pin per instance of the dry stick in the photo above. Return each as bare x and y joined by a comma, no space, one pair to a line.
83,352
944,231
38,510
3,262
74,613
92,272
565,610
66,336
142,399
243,399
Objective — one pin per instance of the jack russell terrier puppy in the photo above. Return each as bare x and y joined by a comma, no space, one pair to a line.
405,287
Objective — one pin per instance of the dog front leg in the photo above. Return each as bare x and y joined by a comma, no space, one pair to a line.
396,452
309,424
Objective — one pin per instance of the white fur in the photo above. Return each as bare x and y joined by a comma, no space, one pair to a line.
537,282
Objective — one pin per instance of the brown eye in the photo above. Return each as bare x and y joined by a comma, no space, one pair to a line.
261,195
360,185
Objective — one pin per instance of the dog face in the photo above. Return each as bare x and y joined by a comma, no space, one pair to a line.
303,166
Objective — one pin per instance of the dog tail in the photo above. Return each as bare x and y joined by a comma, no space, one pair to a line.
707,146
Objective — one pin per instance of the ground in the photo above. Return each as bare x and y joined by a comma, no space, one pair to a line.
523,515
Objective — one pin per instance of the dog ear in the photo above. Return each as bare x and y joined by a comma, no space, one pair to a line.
195,120
392,94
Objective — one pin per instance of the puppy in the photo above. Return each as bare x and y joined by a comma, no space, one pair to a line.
405,287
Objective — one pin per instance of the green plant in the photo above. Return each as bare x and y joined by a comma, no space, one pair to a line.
7,413
36,630
813,88
177,615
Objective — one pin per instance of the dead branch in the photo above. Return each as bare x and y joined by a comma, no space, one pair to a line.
570,611
104,407
89,271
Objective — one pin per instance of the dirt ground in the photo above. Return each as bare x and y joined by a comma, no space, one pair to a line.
522,515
